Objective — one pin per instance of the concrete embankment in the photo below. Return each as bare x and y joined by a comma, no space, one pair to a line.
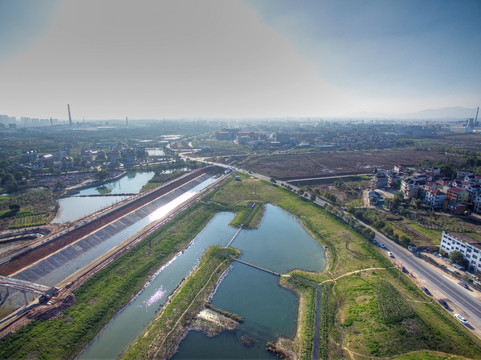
13,262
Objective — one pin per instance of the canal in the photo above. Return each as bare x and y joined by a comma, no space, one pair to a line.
58,266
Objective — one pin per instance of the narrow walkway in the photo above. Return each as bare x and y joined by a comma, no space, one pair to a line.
109,194
252,206
254,266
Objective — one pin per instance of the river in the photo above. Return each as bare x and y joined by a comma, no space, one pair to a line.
269,310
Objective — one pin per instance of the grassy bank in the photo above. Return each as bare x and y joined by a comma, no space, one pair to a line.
352,324
105,294
161,337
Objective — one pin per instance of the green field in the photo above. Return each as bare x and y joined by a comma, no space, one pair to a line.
26,221
370,309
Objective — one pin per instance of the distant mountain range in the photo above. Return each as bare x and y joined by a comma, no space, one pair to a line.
452,113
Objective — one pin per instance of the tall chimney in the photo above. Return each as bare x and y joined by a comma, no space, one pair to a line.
69,116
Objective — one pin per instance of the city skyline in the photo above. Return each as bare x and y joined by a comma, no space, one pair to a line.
167,59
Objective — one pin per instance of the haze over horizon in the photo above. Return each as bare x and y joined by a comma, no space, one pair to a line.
212,58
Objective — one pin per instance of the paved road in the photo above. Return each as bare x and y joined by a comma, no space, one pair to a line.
454,292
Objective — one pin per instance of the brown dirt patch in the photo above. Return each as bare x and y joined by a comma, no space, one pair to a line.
287,166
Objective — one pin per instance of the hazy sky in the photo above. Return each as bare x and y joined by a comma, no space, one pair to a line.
231,58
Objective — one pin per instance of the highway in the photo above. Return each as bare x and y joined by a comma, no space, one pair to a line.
460,296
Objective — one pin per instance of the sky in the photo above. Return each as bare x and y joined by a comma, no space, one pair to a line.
155,59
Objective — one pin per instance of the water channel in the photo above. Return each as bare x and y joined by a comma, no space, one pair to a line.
269,310
65,262
75,207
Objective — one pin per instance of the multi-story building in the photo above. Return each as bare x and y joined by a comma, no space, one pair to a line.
67,163
47,160
469,247
29,156
457,195
434,198
380,181
412,188
477,204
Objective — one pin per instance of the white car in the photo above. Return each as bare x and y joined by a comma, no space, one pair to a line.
461,318
390,254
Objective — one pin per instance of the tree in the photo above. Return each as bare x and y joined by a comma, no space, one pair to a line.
368,233
417,203
15,208
396,201
59,186
405,240
102,175
313,197
477,172
447,171
458,258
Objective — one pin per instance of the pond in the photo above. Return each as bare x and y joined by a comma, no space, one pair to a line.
269,310
75,207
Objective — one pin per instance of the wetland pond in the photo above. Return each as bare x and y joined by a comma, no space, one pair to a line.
280,244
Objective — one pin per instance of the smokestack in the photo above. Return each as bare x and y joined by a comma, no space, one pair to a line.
69,116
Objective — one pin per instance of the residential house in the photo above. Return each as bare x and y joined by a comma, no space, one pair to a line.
477,204
458,195
412,187
434,198
468,246
380,181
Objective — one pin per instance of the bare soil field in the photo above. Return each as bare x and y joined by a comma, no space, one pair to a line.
286,166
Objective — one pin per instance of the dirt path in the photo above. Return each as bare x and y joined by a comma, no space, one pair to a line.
353,272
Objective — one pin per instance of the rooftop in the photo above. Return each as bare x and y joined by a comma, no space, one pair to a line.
466,238
456,190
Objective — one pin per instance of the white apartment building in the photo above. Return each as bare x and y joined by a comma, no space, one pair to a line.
469,247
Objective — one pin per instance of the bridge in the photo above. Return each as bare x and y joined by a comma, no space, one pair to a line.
254,266
109,194
25,286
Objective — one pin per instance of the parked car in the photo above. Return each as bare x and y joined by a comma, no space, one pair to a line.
463,284
382,245
426,290
462,319
443,303
390,254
